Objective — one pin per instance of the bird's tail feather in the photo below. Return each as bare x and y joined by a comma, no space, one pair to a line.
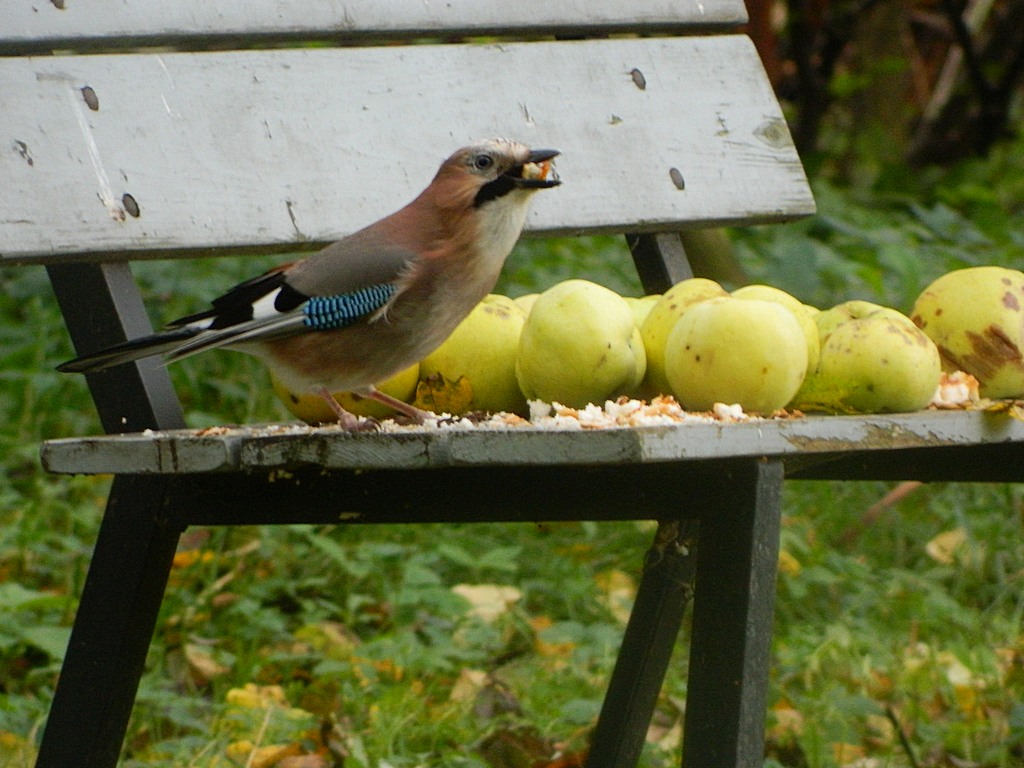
128,351
183,341
263,329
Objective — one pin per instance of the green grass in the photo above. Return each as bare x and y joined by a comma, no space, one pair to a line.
361,648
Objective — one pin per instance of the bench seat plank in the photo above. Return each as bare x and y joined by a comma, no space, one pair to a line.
798,441
108,23
249,150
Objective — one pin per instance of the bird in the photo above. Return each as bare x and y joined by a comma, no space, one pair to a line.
377,301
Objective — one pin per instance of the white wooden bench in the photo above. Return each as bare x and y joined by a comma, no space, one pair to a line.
242,140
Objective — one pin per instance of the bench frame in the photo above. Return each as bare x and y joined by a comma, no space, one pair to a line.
146,515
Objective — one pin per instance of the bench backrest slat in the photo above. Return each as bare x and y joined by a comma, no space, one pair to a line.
74,24
278,149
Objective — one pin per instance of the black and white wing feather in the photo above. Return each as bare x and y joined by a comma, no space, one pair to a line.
269,306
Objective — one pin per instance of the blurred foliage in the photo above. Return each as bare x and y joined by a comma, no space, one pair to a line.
887,239
536,264
923,81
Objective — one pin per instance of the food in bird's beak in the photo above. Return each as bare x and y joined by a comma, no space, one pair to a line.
539,171
538,175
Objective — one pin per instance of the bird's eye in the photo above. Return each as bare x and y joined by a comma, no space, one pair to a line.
483,162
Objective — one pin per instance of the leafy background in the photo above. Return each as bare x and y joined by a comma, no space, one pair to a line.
898,630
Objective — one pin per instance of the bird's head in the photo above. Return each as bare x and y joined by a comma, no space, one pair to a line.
479,200
494,168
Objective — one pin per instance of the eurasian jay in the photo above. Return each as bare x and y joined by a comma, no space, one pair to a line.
377,301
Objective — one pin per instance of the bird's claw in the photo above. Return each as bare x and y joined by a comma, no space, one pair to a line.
362,424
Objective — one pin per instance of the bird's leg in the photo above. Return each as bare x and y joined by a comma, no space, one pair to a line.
414,413
346,420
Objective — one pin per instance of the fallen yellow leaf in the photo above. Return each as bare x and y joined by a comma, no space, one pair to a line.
965,684
331,638
247,754
943,548
618,589
488,601
202,666
1012,408
788,564
843,753
189,557
257,696
469,684
666,737
788,725
305,761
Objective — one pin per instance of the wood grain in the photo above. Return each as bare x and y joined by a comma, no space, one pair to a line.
80,25
281,149
259,448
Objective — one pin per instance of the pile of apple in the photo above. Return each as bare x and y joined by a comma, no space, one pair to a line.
759,347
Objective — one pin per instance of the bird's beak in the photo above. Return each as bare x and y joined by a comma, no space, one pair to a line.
537,172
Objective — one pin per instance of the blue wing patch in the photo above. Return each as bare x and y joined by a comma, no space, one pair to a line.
327,313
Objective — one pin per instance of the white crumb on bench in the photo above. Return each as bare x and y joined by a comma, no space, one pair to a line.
621,413
957,391
624,412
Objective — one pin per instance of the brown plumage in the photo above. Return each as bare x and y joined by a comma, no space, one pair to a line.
374,303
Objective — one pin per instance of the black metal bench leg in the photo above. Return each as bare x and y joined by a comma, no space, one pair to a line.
660,260
137,538
664,591
733,612
118,611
